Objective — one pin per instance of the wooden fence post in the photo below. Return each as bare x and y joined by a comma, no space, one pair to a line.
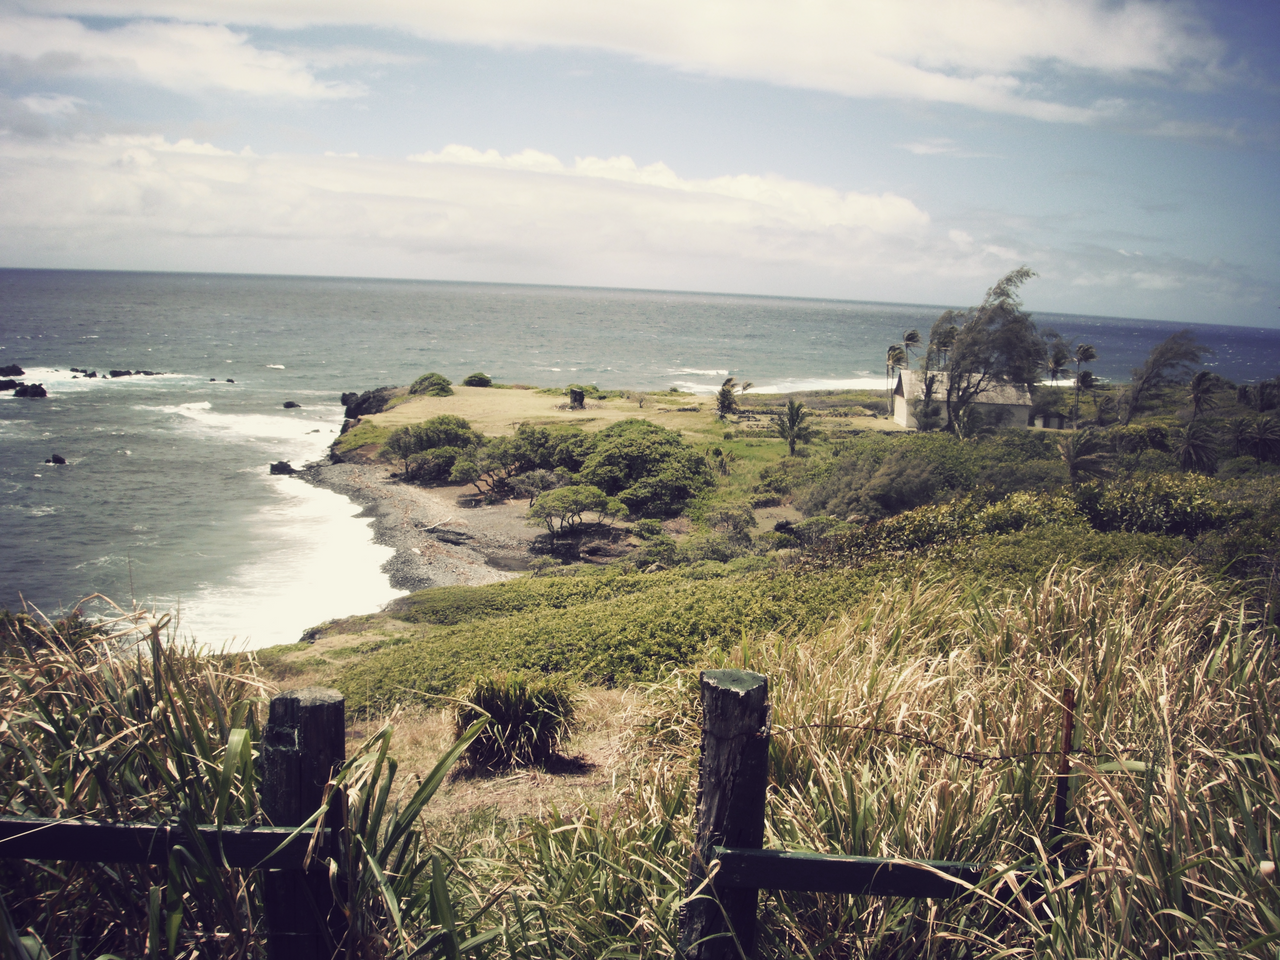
733,774
303,743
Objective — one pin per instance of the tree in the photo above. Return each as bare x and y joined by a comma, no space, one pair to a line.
910,340
894,360
992,344
1085,455
726,402
1058,357
793,426
1085,380
1196,447
1200,392
1263,437
562,510
1169,362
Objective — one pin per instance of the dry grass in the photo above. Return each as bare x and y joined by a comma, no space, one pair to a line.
927,724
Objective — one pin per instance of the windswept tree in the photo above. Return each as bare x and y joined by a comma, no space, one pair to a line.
910,341
993,344
1200,392
895,359
1059,357
1085,353
1196,447
1169,362
793,425
1085,455
726,401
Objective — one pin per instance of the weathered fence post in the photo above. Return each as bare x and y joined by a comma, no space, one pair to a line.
303,743
733,774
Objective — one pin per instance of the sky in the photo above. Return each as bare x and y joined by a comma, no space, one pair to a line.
910,151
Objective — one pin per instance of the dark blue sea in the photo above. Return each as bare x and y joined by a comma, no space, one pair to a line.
167,501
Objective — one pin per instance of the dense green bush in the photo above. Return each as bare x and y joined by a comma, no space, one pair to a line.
428,450
478,380
432,385
648,467
529,719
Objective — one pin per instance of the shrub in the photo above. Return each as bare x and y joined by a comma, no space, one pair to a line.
647,529
432,385
478,380
529,720
646,466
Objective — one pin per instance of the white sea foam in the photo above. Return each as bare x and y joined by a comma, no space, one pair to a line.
299,432
317,561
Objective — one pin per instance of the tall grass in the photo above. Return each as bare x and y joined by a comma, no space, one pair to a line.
927,723
118,722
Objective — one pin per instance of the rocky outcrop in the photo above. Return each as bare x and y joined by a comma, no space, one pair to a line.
12,370
291,405
283,467
10,384
369,402
31,390
57,460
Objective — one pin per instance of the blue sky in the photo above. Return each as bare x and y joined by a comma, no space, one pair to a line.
876,150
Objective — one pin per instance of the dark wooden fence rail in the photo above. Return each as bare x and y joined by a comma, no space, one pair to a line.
303,743
718,923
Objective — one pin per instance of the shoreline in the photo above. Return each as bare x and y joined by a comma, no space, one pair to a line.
437,541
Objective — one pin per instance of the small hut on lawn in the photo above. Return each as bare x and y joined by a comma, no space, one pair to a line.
1004,403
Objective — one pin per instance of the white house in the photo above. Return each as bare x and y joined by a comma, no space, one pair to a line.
1005,403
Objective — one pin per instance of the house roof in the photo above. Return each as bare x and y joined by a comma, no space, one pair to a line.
911,386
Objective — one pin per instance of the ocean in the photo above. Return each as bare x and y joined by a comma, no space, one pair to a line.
166,499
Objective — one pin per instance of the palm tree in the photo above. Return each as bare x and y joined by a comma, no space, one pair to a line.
1085,353
1264,438
1059,357
895,359
793,426
1238,436
1085,456
1085,380
910,339
1196,447
726,402
1200,393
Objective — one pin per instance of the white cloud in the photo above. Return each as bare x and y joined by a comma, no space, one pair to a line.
941,146
187,57
980,53
145,202
52,104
